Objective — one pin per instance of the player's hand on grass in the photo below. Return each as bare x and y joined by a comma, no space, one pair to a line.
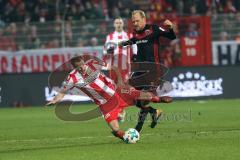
167,23
57,98
51,103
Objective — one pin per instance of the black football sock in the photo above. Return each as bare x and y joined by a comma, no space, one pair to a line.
152,110
141,119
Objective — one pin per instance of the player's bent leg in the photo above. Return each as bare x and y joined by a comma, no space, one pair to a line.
155,117
121,116
142,114
116,129
114,125
166,99
143,96
112,120
141,119
148,96
155,113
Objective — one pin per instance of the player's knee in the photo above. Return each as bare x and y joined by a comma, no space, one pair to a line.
114,125
141,104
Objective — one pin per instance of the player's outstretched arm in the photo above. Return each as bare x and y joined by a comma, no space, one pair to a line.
127,43
119,77
169,33
168,24
57,98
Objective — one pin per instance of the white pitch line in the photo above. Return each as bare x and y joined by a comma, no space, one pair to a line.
59,139
94,137
45,139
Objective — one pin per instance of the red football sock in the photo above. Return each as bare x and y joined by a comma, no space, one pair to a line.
118,134
155,99
135,93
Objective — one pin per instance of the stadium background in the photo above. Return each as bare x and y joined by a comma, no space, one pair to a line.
36,37
39,36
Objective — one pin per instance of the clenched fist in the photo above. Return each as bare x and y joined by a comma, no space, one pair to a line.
167,23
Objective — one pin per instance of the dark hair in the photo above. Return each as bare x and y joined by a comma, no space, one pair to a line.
75,59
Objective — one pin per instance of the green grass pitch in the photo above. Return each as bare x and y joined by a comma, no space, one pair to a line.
197,130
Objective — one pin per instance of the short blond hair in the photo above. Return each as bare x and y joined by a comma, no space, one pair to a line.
140,12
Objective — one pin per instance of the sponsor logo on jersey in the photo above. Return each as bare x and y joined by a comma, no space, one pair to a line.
142,41
147,32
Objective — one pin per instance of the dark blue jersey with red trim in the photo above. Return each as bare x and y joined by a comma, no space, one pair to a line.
147,41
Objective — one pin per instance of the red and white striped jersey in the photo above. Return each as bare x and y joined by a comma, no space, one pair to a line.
95,85
121,56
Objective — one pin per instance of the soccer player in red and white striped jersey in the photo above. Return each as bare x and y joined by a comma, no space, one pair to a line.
110,98
119,56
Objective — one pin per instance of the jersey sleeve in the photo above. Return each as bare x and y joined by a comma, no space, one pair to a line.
96,62
134,46
67,84
131,41
160,31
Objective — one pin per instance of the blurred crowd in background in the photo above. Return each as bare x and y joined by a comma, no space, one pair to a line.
43,10
26,24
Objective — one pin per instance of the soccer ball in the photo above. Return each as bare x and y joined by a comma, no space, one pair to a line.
131,136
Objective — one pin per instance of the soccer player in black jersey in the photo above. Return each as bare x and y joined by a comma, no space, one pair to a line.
146,36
